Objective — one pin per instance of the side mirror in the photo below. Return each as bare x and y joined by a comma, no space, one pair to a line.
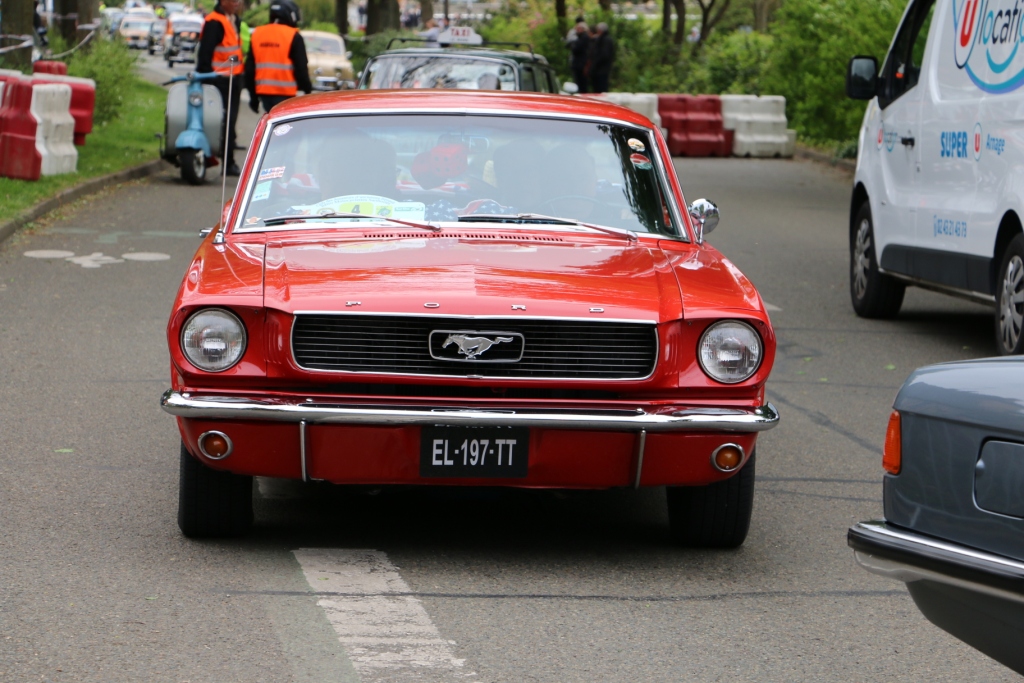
704,214
348,54
570,88
862,78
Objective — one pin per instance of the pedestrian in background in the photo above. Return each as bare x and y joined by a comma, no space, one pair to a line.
277,66
218,44
602,58
579,49
431,34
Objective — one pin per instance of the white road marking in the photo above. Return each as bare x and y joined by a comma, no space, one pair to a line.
771,307
97,259
49,253
94,260
388,636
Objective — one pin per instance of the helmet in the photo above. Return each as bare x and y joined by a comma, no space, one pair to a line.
286,12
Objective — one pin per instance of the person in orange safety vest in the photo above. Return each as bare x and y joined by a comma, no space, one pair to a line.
276,67
220,51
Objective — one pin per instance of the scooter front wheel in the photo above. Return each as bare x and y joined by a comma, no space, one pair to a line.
193,166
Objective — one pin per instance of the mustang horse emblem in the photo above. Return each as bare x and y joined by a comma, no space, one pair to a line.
471,347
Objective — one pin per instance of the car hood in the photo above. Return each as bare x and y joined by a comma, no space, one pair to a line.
498,276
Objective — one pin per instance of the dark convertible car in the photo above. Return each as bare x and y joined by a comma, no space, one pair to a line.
954,502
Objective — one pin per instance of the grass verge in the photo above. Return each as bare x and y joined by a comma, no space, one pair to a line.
126,141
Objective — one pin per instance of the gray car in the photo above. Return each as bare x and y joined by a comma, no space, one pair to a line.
954,502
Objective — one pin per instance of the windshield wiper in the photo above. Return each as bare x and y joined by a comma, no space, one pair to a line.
279,220
518,217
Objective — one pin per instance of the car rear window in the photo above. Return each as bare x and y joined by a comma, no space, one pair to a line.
439,71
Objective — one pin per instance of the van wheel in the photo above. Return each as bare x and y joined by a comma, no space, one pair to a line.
1010,299
713,516
212,503
873,294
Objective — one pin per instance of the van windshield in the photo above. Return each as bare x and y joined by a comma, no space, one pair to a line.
446,168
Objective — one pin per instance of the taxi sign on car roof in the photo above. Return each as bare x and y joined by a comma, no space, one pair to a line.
460,35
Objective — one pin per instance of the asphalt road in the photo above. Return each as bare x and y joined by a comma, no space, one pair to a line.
97,584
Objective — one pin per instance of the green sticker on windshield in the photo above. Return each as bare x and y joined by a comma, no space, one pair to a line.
262,191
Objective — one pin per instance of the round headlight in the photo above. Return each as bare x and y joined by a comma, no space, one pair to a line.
213,339
729,351
195,99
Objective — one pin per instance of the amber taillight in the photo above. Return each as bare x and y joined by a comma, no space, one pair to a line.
892,455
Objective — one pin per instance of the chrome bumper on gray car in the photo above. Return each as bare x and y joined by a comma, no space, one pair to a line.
312,411
908,556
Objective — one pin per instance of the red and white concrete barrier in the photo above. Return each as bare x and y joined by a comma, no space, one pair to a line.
36,129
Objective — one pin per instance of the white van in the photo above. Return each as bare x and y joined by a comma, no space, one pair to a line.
938,196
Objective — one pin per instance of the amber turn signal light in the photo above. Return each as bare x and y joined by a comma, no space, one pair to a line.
892,455
215,445
727,458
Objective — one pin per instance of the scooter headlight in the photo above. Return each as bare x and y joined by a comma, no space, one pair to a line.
195,99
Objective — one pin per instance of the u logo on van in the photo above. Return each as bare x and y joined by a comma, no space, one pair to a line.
986,38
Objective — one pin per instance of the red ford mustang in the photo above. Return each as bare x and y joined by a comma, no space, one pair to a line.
474,289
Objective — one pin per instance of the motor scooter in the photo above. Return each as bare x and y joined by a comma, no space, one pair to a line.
192,119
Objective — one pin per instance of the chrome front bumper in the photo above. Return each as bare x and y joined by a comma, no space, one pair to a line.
311,411
908,556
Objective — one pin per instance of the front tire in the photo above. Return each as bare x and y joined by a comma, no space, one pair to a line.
193,166
873,294
212,503
713,516
1010,299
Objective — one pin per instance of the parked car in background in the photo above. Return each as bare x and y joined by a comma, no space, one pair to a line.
156,36
182,38
460,61
135,31
937,201
501,290
330,66
953,496
110,20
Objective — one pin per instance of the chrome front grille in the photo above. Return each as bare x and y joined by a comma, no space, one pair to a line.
552,348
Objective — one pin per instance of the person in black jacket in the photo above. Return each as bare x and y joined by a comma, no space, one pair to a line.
283,12
602,57
579,48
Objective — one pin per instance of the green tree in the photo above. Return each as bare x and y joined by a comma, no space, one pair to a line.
812,42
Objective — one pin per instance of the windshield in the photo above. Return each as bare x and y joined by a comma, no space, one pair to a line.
136,25
441,168
440,71
322,44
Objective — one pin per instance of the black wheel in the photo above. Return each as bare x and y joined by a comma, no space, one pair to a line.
193,166
210,502
1010,299
873,294
713,516
170,64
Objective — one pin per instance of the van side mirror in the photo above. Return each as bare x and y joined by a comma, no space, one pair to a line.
570,89
862,78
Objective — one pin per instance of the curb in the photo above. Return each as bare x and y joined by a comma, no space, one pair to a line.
813,155
77,192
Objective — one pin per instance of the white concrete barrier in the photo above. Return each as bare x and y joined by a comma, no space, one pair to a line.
759,125
641,103
55,129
